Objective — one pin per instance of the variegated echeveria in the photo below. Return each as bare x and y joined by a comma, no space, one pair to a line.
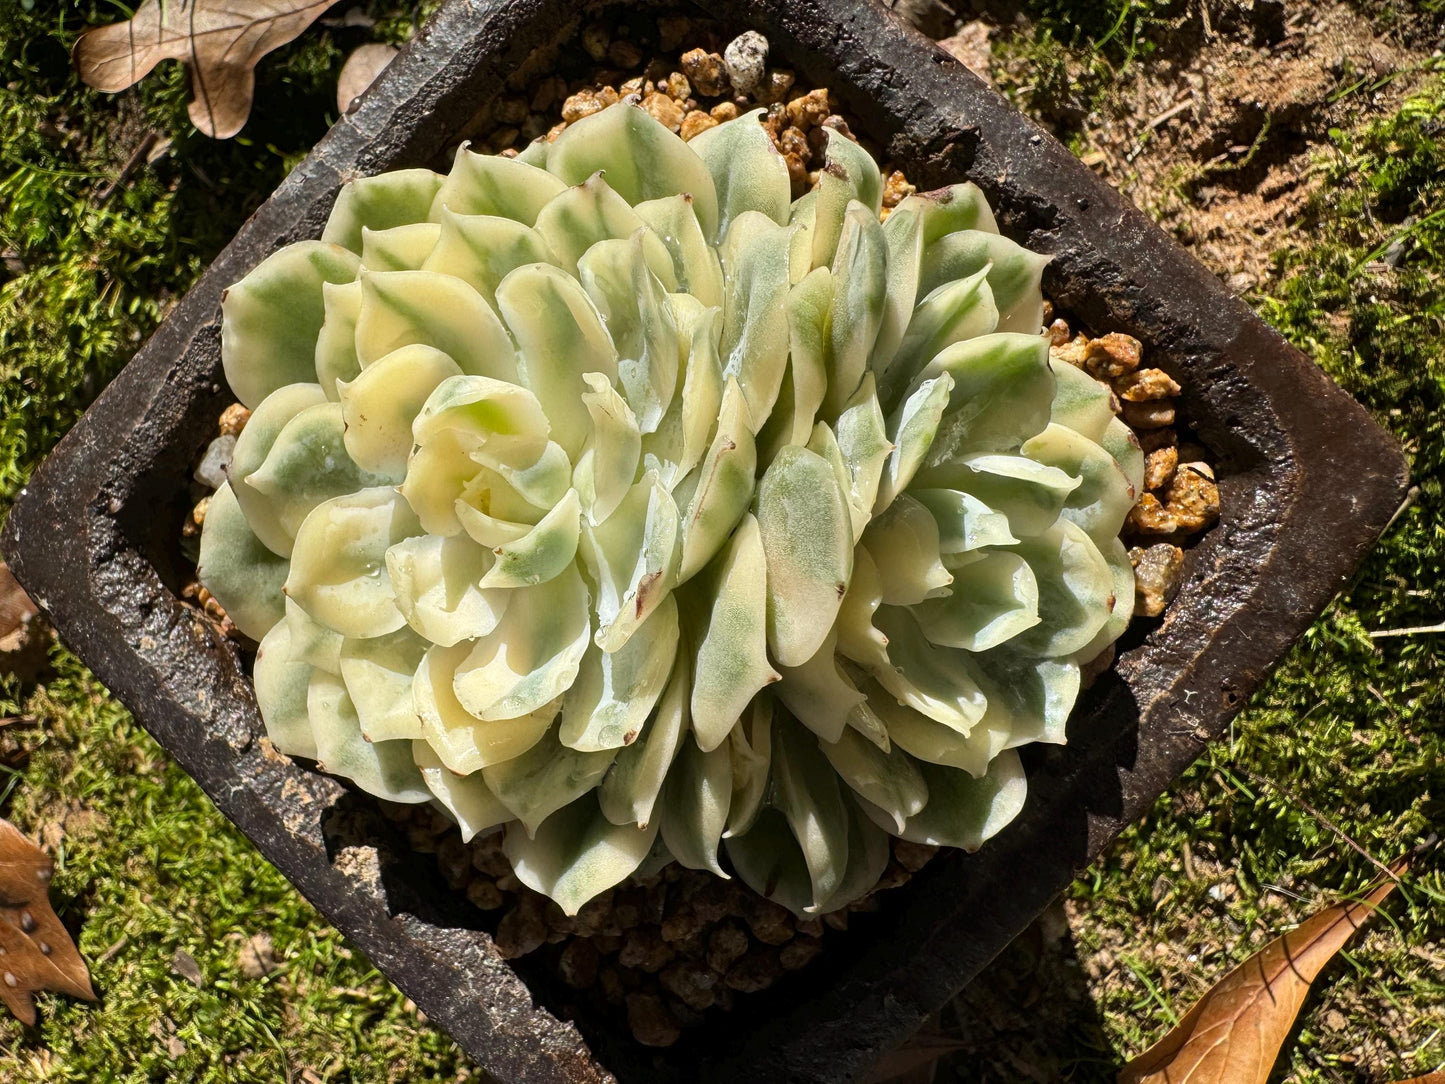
606,494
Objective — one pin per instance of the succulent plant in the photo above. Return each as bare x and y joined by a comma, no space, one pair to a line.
608,495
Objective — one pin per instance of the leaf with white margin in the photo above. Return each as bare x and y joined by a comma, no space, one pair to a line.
1003,390
399,308
695,804
311,642
1104,497
863,442
281,685
755,334
243,574
436,582
926,677
950,209
747,171
849,174
912,430
338,568
400,248
379,406
750,744
543,552
493,527
1030,494
695,263
717,494
964,522
545,778
560,335
501,417
488,184
768,860
1038,694
857,638
466,797
271,318
608,705
533,654
385,769
577,854
890,780
1120,442
953,313
993,600
807,791
903,236
632,558
904,545
963,811
1080,402
924,739
481,250
805,383
607,466
633,783
253,445
336,358
869,851
465,743
391,199
633,304
1117,555
1014,274
641,158
438,476
592,212
806,530
732,660
378,673
681,436
860,287
819,693
1076,590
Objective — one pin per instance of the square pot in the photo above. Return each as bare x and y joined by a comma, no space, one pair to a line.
1307,483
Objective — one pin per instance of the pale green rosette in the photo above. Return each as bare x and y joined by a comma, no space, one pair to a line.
631,506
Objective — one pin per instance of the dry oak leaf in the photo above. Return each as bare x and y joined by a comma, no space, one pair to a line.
36,952
219,41
1233,1034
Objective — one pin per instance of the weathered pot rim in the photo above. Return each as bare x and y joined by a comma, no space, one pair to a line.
1308,482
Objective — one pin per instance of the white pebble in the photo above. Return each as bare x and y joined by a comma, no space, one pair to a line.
746,58
216,462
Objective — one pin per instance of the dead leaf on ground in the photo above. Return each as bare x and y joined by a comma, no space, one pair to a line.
23,632
362,67
916,1061
1428,1078
219,41
36,952
1233,1034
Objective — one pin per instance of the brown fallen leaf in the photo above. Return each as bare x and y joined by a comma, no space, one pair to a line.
362,67
916,1061
1428,1078
24,636
36,952
1233,1034
219,41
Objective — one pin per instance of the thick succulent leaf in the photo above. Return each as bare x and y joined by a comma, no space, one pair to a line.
720,490
641,158
857,638
245,576
577,854
732,661
438,476
379,406
253,445
676,447
632,558
400,248
488,184
993,600
948,210
490,528
270,319
1120,442
533,654
849,175
544,552
754,346
747,171
592,212
336,357
636,778
869,851
339,574
378,673
860,287
1014,274
890,780
695,804
504,421
385,769
436,582
399,308
953,313
806,381
281,686
482,250
697,270
311,642
807,791
912,430
379,203
1003,389
1036,694
1117,555
1080,402
560,335
964,522
608,705
1076,590
768,859
806,530
903,236
1104,496
465,743
750,744
545,778
904,545
607,466
863,442
926,677
965,812
926,740
466,797
1030,494
819,693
